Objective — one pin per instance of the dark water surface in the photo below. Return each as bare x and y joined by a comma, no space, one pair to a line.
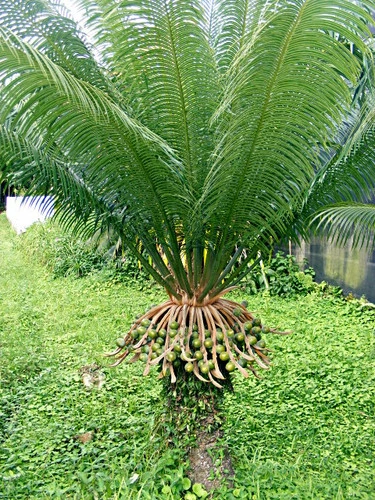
352,270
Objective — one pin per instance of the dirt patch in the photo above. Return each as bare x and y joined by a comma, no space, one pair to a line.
204,467
92,377
84,438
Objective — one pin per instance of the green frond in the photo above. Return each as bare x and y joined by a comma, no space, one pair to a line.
350,172
352,223
277,113
234,21
345,172
162,53
79,206
117,155
53,34
210,10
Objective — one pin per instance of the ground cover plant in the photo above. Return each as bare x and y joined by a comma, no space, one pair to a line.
305,431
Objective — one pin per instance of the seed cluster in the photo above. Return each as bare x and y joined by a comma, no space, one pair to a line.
209,341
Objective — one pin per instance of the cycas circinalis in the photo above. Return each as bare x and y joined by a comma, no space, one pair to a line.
338,200
197,126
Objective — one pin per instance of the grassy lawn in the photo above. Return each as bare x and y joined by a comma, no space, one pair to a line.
306,431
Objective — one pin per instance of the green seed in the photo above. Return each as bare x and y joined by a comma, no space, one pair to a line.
220,336
196,343
257,322
230,334
237,311
252,340
224,356
247,326
171,356
208,343
230,367
120,342
173,333
152,334
189,367
242,362
239,337
204,368
141,330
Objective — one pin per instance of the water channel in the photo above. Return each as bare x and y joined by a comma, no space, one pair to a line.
352,270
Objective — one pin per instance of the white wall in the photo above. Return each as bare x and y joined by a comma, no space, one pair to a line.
23,211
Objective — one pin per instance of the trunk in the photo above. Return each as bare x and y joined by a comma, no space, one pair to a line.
193,417
196,345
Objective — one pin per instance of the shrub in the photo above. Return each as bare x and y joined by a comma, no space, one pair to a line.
61,252
282,276
64,254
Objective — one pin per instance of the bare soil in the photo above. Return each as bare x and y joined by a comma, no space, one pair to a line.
204,467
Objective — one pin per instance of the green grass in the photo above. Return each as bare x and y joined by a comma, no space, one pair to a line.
306,431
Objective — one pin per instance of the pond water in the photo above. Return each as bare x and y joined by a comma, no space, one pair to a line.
352,270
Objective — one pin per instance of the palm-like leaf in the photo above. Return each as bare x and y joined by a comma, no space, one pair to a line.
85,131
232,22
346,172
53,34
280,124
273,133
164,53
354,221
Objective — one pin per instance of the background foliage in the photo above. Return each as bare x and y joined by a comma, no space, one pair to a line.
282,275
65,254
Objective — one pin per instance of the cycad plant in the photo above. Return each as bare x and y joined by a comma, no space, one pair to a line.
340,197
200,128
